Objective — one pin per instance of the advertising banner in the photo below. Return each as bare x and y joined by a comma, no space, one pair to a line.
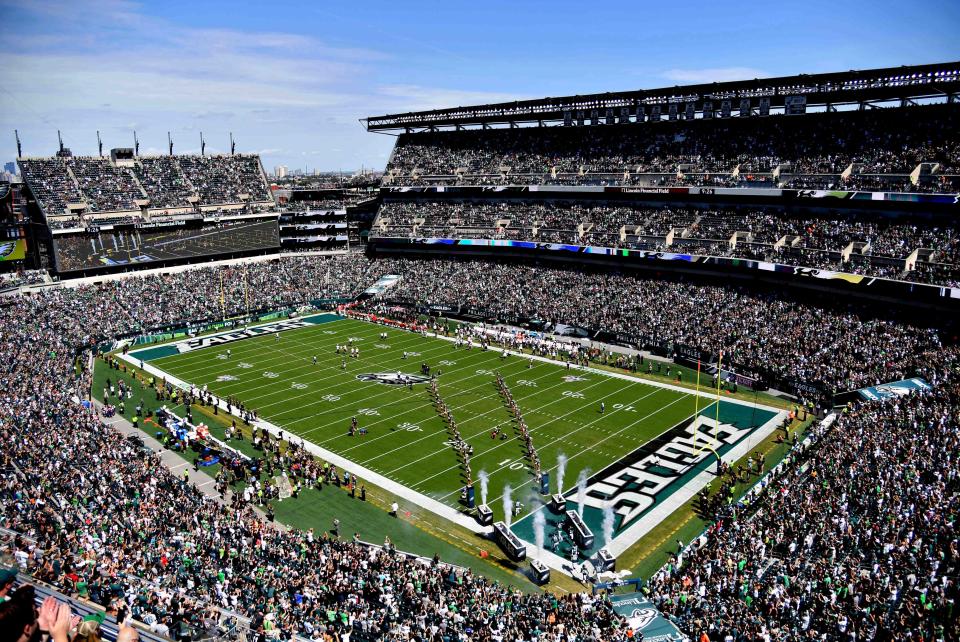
795,105
765,106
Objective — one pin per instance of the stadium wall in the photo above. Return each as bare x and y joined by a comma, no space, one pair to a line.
77,281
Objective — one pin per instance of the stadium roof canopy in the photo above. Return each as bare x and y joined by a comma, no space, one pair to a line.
864,87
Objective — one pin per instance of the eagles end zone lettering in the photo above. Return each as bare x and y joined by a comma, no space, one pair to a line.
633,488
229,337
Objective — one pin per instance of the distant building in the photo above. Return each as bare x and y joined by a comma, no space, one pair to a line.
10,168
280,171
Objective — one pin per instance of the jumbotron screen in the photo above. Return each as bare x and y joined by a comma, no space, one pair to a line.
128,245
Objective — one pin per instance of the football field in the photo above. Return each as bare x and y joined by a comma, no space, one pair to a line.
293,377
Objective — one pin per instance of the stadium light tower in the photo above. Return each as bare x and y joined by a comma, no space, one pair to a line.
19,149
170,143
233,146
60,140
136,144
99,144
203,145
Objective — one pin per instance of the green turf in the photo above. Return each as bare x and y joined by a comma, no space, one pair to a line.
317,509
406,436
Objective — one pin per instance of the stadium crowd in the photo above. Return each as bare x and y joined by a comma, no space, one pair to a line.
164,181
64,222
854,540
22,277
774,336
107,188
815,240
100,185
725,152
226,179
713,152
321,204
111,524
50,184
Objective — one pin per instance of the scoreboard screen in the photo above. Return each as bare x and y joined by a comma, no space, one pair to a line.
128,245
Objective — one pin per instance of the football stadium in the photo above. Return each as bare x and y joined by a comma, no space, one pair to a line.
673,363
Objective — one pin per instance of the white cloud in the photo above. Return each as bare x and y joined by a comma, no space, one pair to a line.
111,68
713,74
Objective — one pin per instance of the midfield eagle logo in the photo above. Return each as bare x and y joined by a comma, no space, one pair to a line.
393,378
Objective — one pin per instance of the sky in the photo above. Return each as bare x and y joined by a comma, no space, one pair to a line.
292,79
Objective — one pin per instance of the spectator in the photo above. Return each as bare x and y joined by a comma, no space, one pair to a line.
883,146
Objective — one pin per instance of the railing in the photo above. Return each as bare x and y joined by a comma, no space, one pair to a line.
108,629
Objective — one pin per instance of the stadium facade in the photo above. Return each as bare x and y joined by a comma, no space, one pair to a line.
653,292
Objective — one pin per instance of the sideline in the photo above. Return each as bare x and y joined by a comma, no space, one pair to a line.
617,546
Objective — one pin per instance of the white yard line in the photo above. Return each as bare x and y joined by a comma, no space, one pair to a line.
133,349
387,484
304,434
620,375
458,408
367,368
172,378
620,543
367,398
589,448
391,486
283,354
250,349
532,430
356,367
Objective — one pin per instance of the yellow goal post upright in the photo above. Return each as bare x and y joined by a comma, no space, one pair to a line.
223,304
696,411
701,445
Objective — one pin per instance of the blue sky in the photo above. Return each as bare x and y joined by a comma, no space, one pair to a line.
291,79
